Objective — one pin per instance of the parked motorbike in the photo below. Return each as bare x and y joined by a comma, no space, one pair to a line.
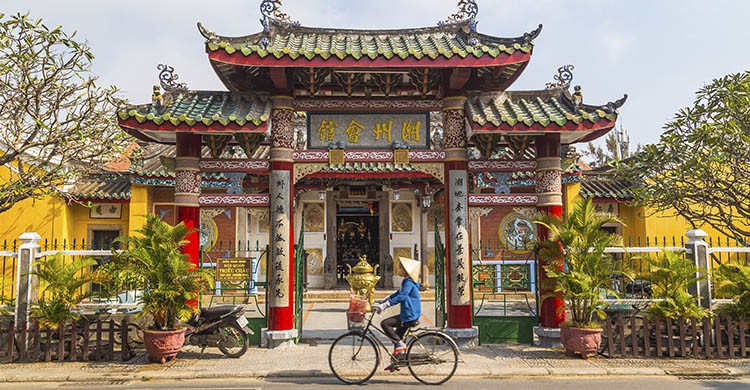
223,327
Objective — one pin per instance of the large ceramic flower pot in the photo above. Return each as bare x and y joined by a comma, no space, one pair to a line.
163,345
580,340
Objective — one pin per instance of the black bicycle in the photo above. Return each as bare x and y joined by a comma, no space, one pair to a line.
431,355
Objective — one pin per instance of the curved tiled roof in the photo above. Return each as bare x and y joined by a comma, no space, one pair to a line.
206,107
600,186
543,107
293,41
105,187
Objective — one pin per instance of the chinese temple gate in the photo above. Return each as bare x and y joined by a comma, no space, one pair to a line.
372,133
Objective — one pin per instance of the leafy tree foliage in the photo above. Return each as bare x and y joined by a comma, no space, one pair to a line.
56,124
700,168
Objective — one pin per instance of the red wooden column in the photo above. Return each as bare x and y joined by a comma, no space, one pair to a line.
457,251
188,189
549,191
280,292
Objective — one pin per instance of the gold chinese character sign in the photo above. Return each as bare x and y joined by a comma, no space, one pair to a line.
368,130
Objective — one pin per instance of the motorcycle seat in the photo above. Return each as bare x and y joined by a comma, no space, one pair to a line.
214,313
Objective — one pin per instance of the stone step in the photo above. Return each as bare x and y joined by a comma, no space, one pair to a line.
311,296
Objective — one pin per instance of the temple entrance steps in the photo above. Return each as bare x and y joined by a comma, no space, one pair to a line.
311,296
341,295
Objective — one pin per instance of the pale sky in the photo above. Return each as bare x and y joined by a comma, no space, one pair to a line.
659,52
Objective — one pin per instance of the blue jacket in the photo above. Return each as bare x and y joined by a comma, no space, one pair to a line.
408,297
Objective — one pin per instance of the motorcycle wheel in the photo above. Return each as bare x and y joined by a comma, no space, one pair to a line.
232,341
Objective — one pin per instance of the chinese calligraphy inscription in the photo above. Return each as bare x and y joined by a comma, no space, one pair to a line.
459,239
368,130
280,240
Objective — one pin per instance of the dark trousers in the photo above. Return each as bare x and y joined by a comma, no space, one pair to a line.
394,329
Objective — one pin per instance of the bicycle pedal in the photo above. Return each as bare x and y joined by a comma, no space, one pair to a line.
392,368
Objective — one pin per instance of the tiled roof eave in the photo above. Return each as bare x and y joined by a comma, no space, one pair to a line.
146,124
586,125
440,61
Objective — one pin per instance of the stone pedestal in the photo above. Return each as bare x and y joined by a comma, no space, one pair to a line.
464,337
547,337
279,338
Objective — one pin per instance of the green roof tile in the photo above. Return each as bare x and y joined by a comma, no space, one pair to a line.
530,107
207,107
294,41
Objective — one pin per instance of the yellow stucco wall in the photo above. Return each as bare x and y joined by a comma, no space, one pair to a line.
139,201
81,224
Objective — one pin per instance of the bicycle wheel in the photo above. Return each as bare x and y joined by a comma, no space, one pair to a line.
432,358
232,341
353,358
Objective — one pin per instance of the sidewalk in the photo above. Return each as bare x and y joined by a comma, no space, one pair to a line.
322,323
311,360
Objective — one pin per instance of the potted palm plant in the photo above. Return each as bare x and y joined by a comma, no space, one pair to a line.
168,279
580,272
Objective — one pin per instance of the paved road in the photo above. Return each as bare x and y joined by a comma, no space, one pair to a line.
567,383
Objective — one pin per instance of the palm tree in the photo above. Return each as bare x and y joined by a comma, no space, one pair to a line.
65,286
580,271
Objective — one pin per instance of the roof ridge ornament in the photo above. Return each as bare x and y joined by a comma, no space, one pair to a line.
271,9
611,107
168,79
209,35
563,77
467,10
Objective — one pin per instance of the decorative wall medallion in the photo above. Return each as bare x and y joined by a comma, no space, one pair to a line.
517,233
314,217
401,217
314,261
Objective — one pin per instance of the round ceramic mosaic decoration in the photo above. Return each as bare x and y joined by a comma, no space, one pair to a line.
516,233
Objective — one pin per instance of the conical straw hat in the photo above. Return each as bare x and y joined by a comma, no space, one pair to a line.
411,267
